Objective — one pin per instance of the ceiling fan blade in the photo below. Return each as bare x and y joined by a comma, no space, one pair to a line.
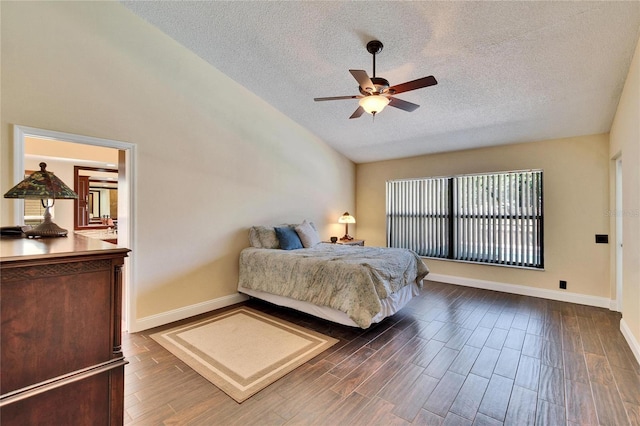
363,80
336,98
357,113
413,85
403,105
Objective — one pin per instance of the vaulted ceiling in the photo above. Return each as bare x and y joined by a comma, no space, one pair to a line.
507,72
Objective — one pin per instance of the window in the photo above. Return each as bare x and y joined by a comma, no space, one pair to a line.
491,218
34,211
33,208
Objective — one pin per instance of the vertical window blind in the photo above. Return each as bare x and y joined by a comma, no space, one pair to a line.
494,218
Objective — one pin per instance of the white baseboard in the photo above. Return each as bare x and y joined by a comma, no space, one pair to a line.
614,306
185,312
563,296
631,340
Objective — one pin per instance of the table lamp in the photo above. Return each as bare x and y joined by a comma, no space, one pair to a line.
44,186
346,218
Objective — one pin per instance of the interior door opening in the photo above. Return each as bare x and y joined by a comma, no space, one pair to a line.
123,160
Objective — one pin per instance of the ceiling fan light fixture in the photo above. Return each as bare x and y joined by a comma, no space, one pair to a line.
376,93
374,104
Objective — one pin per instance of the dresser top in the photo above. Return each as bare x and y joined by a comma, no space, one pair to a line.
13,249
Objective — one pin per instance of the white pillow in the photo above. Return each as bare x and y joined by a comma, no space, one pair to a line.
308,234
263,237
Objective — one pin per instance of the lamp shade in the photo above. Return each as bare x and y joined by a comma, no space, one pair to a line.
41,185
373,104
346,218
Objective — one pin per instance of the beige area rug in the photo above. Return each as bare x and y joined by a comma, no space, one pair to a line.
242,351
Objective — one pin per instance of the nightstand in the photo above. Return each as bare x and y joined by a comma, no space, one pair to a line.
354,242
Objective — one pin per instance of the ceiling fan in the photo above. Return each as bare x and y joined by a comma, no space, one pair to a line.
376,92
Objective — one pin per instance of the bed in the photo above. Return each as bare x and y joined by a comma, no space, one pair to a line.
349,285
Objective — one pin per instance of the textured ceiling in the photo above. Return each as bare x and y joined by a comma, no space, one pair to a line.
507,72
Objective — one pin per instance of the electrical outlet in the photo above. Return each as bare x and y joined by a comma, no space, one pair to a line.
563,284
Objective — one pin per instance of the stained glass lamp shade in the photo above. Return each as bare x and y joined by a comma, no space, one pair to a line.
43,185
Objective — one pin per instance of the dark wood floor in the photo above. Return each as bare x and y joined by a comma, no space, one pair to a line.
454,356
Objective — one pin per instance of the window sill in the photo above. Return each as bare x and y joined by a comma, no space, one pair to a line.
529,268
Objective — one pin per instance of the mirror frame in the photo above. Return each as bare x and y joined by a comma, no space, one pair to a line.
76,174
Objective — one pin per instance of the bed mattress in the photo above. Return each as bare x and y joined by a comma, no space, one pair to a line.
390,305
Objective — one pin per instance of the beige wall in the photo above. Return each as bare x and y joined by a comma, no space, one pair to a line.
69,150
625,142
575,206
212,158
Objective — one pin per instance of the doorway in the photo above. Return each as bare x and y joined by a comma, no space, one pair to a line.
126,205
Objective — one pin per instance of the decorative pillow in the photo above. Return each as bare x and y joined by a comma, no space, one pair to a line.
263,237
254,240
308,234
288,238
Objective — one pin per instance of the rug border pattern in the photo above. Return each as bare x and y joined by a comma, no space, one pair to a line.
232,384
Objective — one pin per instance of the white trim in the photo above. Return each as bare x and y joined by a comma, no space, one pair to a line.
563,296
19,133
630,338
619,235
18,172
70,137
163,318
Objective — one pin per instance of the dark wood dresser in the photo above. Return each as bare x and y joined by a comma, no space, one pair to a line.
61,362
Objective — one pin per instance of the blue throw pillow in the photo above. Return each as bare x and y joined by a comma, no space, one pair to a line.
288,238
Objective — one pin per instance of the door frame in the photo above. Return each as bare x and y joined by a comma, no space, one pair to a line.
126,178
619,220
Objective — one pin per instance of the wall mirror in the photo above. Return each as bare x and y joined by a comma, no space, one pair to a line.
97,190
